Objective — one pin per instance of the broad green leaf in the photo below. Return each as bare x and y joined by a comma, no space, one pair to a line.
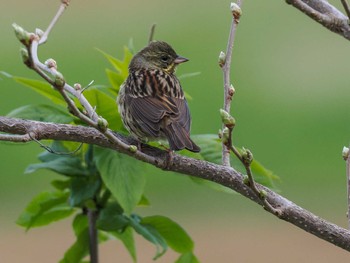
127,237
80,248
210,147
43,88
83,189
65,164
174,235
151,234
144,201
121,66
44,209
45,113
188,257
61,184
122,175
106,107
111,218
115,79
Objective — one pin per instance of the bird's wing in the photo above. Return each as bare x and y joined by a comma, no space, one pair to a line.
149,112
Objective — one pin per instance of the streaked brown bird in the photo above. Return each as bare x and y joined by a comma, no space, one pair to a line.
151,101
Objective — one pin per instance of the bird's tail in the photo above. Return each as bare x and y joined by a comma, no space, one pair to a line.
179,139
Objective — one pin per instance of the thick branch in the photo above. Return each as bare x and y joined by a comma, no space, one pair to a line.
325,14
223,175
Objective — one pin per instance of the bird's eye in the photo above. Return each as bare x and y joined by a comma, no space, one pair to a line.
164,58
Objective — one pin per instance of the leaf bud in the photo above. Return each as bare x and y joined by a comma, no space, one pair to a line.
21,34
345,153
25,56
77,86
102,123
225,135
247,156
39,32
222,59
227,119
133,148
262,194
236,11
51,63
59,80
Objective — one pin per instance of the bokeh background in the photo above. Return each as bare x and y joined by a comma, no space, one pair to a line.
291,105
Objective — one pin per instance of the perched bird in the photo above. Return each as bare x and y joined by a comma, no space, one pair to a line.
151,101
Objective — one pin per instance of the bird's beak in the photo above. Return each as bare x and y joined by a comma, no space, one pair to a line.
180,60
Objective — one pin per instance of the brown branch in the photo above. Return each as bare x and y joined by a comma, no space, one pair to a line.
220,174
325,14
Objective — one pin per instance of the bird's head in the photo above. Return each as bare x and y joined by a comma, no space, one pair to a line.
157,55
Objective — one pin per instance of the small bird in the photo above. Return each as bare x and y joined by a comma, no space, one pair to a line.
151,101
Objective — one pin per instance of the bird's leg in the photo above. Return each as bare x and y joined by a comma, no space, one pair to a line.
169,159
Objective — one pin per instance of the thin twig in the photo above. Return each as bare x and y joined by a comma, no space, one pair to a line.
60,11
151,33
346,156
346,7
226,68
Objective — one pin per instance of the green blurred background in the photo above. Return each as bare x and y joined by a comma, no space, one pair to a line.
291,106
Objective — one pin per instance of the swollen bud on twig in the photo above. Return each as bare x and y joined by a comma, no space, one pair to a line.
22,35
25,56
39,32
231,91
262,194
225,136
222,59
236,11
246,179
227,119
345,153
59,80
102,123
77,86
247,156
51,63
133,148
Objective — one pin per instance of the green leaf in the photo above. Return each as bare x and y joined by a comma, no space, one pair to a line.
80,247
144,201
83,189
44,209
121,66
111,218
65,164
61,184
106,107
174,235
43,88
188,257
122,175
151,234
127,237
45,113
115,79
